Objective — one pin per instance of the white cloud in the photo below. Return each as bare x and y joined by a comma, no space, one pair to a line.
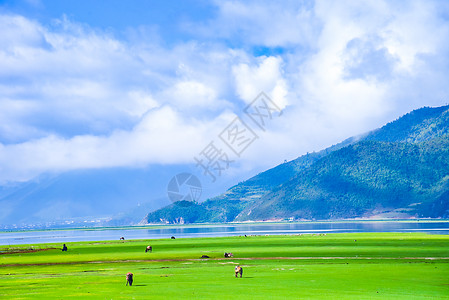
162,137
73,97
425,36
325,104
351,105
265,23
266,77
69,72
141,102
192,96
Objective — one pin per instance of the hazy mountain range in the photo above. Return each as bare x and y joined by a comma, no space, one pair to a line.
90,197
398,171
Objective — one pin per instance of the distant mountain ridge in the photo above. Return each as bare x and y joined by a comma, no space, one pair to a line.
82,195
399,170
417,126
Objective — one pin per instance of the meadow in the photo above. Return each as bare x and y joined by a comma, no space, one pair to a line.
332,266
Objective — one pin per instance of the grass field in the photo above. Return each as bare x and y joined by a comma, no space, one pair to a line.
333,266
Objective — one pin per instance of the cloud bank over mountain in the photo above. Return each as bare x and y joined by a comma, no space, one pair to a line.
76,93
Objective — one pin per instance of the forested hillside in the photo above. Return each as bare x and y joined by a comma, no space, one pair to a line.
401,169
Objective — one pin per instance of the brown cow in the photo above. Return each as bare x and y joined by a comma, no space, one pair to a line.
238,270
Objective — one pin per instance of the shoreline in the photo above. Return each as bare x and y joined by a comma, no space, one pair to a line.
228,224
31,237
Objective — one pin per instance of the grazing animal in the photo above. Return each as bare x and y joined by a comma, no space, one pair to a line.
204,256
149,248
238,270
129,278
228,254
64,247
122,238
172,237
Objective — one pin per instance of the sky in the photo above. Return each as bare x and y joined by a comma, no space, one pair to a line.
107,84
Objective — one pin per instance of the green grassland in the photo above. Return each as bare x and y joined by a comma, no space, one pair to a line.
333,266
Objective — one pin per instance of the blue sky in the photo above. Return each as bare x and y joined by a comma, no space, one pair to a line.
106,84
166,17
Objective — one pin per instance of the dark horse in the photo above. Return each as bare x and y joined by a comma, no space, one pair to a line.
238,270
129,278
149,248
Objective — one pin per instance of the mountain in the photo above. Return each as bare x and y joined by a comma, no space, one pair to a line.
364,179
399,170
85,195
417,126
91,197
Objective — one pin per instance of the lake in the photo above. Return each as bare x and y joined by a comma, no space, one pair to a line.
191,231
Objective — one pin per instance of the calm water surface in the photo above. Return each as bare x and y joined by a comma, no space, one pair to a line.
61,236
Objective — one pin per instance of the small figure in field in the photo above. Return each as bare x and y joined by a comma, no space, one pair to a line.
149,248
238,270
129,278
64,247
172,237
122,238
228,254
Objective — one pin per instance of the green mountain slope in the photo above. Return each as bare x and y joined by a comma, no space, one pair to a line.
417,126
364,179
387,169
